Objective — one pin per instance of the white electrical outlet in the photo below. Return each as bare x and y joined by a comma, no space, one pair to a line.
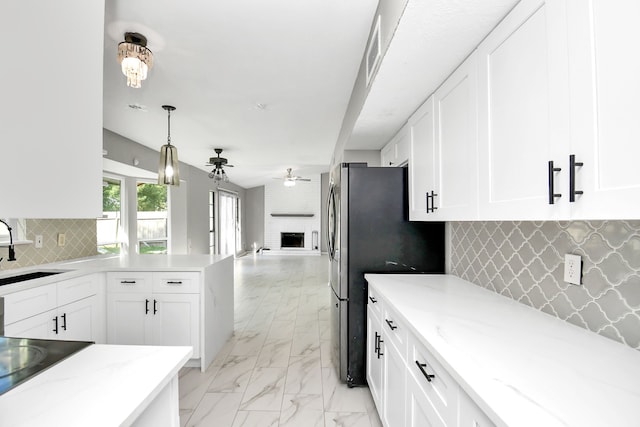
572,269
39,241
61,239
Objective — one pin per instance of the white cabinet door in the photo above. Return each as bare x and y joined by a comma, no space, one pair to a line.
374,362
52,120
175,320
394,381
422,165
523,113
605,87
470,415
456,163
419,411
80,321
128,320
39,326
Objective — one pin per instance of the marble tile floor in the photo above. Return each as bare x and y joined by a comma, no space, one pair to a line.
276,369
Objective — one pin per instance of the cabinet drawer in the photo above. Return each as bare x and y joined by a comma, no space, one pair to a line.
78,288
374,302
24,304
395,330
440,389
176,282
129,281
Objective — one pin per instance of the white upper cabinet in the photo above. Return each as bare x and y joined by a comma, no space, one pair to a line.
443,157
605,125
396,152
523,114
51,110
422,161
456,145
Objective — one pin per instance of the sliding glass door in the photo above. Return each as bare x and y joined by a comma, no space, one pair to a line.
230,224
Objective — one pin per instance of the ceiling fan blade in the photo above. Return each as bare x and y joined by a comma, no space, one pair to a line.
304,179
228,166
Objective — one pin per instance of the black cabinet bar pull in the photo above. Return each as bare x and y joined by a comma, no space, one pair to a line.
380,341
174,282
155,306
421,366
146,306
572,178
373,300
376,346
391,325
431,207
433,201
64,322
55,323
128,282
552,194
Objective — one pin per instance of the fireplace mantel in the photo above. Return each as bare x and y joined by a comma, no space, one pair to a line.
293,215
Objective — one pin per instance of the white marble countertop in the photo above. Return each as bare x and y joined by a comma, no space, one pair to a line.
101,263
102,385
523,367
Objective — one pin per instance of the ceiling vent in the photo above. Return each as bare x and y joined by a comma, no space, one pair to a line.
374,51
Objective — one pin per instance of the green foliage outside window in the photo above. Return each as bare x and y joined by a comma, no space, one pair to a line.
152,197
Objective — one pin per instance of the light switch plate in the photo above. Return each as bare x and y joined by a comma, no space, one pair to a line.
572,269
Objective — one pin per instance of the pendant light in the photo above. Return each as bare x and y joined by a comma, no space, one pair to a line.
168,171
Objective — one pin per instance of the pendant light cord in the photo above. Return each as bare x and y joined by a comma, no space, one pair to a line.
168,126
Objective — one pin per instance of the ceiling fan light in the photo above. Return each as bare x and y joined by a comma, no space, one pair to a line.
289,182
135,59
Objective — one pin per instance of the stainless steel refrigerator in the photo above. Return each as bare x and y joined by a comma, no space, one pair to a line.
369,232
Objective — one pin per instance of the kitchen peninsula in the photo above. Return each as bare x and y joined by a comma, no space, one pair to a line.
184,300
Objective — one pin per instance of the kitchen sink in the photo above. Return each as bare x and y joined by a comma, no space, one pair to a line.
27,276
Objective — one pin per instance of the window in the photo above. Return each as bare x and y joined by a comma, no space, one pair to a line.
109,227
212,222
152,218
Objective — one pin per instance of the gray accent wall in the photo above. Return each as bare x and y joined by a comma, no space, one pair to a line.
254,225
525,261
195,220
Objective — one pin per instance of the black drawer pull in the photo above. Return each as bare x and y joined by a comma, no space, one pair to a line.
380,341
155,306
64,322
552,194
128,282
391,325
373,300
55,323
146,306
572,178
174,282
421,366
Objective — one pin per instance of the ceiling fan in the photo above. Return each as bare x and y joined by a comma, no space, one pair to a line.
218,163
290,179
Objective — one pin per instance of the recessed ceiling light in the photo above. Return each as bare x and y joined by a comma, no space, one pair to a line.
261,106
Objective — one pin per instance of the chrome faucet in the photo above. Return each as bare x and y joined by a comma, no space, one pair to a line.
12,251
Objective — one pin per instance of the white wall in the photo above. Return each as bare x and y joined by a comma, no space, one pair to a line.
303,198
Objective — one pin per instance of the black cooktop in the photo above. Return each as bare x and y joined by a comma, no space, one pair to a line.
23,358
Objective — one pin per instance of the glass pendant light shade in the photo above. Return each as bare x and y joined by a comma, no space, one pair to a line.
168,173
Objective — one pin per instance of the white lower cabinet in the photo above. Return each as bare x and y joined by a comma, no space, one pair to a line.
140,309
408,384
470,415
34,313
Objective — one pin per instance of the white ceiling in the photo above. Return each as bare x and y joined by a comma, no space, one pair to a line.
216,61
432,39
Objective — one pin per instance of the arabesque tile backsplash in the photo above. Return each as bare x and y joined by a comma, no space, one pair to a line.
80,241
525,261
